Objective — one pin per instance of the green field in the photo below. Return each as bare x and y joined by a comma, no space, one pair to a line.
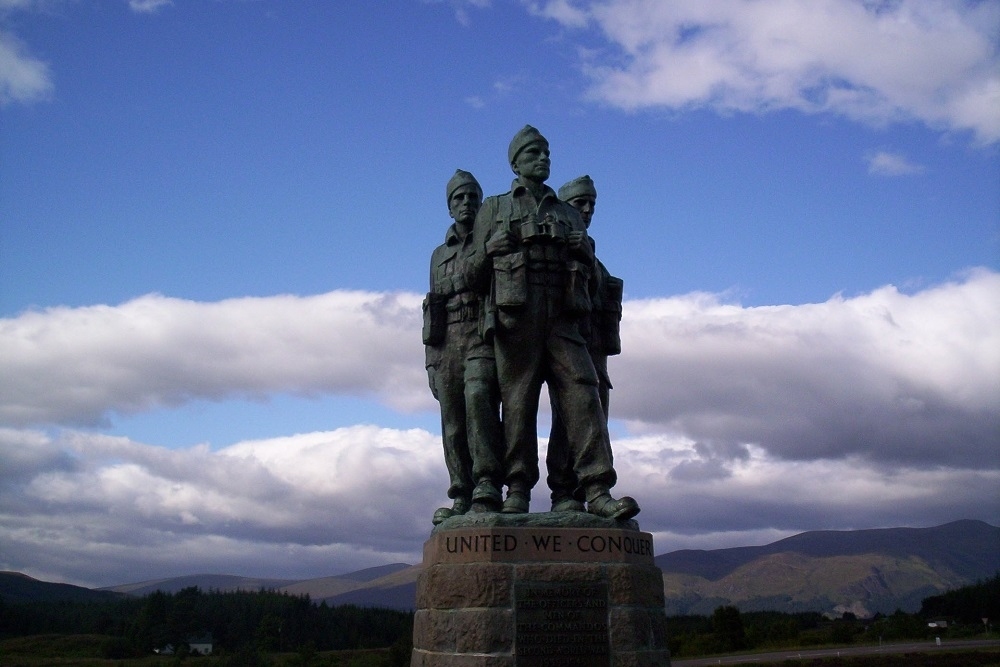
86,651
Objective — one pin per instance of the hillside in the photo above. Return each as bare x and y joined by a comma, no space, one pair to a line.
17,587
206,582
397,590
317,589
862,571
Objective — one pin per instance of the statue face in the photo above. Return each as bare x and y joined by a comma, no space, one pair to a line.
464,204
585,205
533,162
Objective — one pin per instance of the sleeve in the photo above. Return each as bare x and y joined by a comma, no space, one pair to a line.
477,266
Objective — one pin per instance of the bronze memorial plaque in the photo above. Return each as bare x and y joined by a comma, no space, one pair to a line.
561,623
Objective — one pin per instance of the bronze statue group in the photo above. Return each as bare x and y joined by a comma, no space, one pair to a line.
518,300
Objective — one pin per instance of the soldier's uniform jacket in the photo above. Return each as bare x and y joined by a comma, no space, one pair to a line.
602,328
451,298
542,259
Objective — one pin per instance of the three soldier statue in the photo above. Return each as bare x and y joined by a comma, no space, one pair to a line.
517,300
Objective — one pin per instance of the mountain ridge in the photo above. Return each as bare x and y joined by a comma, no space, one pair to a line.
863,571
964,536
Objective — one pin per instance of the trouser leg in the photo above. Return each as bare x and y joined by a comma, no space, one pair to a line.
518,362
603,383
451,395
561,479
575,385
485,435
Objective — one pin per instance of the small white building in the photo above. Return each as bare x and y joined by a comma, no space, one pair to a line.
201,644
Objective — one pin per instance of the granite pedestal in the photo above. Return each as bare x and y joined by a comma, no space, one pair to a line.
539,590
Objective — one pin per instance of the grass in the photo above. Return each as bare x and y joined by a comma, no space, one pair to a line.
86,651
944,658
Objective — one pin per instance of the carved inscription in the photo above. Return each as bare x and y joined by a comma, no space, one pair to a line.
561,624
575,544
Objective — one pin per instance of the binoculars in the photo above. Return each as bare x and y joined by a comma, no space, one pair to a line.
547,230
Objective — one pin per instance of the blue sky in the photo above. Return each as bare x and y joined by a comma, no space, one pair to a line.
216,218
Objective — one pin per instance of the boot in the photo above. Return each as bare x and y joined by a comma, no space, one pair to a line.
563,503
459,507
606,506
486,498
518,501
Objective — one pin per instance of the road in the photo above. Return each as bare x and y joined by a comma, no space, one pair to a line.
912,647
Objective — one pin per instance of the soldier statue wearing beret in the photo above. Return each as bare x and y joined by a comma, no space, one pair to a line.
534,267
461,368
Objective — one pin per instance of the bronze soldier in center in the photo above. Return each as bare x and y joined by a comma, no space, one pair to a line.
533,266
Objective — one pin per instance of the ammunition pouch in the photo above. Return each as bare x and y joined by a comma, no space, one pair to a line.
610,315
510,280
435,318
577,299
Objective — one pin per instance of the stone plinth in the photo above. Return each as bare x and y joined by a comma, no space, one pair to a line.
506,592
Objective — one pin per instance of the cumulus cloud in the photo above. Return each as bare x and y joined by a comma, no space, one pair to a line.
77,365
936,62
883,163
351,496
874,410
23,78
885,376
104,511
791,496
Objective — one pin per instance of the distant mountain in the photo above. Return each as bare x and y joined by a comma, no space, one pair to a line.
17,587
206,582
391,586
861,571
396,590
324,588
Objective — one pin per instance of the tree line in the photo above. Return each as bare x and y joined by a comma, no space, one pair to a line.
728,630
262,621
267,621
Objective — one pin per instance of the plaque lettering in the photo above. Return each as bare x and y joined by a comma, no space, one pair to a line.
561,624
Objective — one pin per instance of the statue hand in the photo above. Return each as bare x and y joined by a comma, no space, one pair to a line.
501,243
431,374
579,244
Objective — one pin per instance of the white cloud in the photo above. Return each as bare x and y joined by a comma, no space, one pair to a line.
113,511
23,78
352,493
779,495
461,8
74,366
935,61
874,410
885,376
883,163
147,6
563,11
